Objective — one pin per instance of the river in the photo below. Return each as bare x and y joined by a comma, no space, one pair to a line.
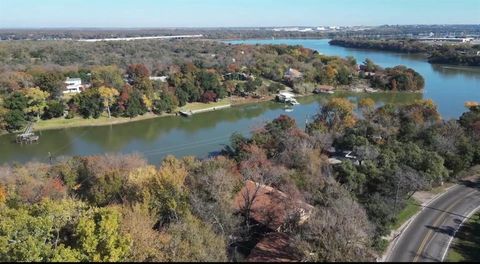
205,133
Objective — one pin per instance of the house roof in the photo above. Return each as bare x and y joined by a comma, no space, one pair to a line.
326,87
270,206
273,247
73,80
293,73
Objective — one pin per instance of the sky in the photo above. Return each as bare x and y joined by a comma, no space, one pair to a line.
233,13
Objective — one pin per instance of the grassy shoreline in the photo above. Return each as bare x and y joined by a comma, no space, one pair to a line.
103,120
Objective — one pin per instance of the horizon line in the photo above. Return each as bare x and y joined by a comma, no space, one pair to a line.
230,27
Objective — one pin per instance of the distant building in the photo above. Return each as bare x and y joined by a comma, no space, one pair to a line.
159,78
461,40
73,85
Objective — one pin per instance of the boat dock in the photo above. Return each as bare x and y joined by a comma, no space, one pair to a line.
27,135
191,112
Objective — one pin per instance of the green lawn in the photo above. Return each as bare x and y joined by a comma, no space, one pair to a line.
411,209
201,106
466,245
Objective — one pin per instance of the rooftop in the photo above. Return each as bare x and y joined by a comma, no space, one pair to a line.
270,206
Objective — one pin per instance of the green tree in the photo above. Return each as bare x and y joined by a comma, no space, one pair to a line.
54,109
98,236
109,76
49,81
36,101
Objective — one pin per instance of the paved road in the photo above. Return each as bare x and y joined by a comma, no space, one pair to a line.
427,237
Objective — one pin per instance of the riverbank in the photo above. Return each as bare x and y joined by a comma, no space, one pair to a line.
103,120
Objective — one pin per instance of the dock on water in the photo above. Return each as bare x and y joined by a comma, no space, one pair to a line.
27,135
187,112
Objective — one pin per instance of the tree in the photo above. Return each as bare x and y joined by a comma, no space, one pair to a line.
89,103
109,76
208,97
98,237
370,66
366,105
135,105
167,103
108,96
49,81
36,101
334,116
15,120
139,77
54,109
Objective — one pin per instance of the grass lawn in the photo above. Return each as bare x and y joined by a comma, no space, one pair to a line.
411,209
201,106
80,122
466,245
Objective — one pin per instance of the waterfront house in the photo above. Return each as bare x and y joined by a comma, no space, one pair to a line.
73,85
324,89
270,207
292,74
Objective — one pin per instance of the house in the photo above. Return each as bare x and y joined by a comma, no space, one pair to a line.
324,89
292,74
270,207
159,78
73,85
274,247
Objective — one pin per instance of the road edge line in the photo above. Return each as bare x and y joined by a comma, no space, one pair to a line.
455,232
405,226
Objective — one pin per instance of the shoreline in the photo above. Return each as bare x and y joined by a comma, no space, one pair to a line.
123,120
235,101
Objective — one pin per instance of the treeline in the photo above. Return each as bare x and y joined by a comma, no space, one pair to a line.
32,82
457,54
237,33
119,208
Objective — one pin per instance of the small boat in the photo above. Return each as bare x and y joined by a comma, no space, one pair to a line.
292,101
288,110
186,113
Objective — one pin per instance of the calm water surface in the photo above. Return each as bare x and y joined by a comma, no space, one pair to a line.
203,134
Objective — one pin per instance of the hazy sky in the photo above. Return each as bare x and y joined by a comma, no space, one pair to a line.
227,13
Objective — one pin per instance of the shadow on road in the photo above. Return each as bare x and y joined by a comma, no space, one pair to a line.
448,230
474,184
440,210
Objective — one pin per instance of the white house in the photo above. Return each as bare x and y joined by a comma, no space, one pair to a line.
73,85
159,78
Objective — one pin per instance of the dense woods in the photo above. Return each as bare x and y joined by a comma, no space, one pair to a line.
118,83
456,54
119,208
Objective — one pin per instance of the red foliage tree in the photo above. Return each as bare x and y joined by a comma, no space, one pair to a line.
208,97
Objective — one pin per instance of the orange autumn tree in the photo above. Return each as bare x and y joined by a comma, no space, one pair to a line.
335,116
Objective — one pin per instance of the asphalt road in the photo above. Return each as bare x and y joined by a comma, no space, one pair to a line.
427,237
